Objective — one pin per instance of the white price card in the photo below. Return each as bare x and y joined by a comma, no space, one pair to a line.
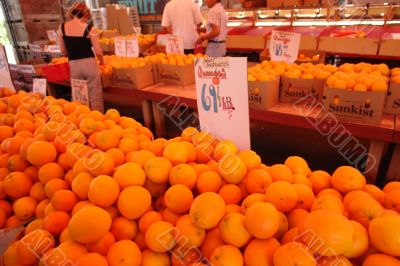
54,49
174,44
120,47
132,47
284,46
221,84
40,86
5,76
80,92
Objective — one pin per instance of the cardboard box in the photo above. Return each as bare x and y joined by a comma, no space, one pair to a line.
355,106
291,3
256,42
107,80
293,90
392,105
389,48
274,3
176,75
362,46
154,70
263,94
133,78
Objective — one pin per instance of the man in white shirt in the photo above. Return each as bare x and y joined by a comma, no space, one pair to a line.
182,18
216,29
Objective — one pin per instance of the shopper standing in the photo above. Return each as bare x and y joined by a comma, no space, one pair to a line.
216,29
182,18
80,41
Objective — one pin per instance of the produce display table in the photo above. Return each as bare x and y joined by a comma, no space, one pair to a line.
282,113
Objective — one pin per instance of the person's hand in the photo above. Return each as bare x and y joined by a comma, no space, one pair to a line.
200,39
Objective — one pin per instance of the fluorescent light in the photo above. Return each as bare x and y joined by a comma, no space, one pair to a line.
347,15
382,14
394,22
263,16
288,15
311,23
234,23
270,23
385,4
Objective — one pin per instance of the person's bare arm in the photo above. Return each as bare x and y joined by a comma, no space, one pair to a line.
94,38
61,42
215,30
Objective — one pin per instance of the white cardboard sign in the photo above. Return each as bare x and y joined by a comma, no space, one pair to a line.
40,86
284,46
132,47
222,102
80,92
174,44
120,47
5,77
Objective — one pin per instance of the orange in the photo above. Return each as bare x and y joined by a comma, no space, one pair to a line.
16,163
211,242
32,172
328,202
148,219
188,235
63,200
41,207
150,258
34,225
262,220
223,148
251,159
191,149
364,210
117,155
106,140
24,124
293,253
100,163
41,152
230,193
6,132
282,195
207,210
89,224
251,199
10,256
102,245
226,255
155,190
280,172
128,145
392,200
347,178
56,222
170,216
17,185
301,179
66,252
133,202
257,181
391,185
183,174
209,181
103,191
375,192
123,228
160,237
333,232
178,198
80,185
260,252
88,126
33,245
182,256
298,165
112,114
13,145
381,259
50,171
130,174
360,241
233,230
332,192
188,133
232,168
204,152
12,222
176,153
157,147
384,234
92,259
157,170
54,185
65,236
305,196
24,208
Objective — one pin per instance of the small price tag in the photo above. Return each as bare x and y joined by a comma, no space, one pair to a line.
80,92
132,47
174,44
284,46
52,35
40,86
120,47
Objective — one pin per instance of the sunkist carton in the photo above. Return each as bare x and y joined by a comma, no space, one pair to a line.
263,94
176,75
293,89
355,106
133,78
393,100
107,80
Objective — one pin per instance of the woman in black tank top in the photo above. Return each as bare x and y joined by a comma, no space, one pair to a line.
80,42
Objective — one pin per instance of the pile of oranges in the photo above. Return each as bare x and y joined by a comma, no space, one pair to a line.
59,60
173,59
395,75
98,189
118,62
106,69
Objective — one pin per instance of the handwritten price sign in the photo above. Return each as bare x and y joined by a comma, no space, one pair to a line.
40,86
120,47
220,86
132,47
174,45
80,92
284,46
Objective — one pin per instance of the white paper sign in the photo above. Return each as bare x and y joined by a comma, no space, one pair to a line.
54,49
40,86
137,30
80,91
222,102
35,48
284,46
120,47
52,35
174,44
132,47
5,77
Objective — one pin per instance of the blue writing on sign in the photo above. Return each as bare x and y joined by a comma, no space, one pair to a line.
207,101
